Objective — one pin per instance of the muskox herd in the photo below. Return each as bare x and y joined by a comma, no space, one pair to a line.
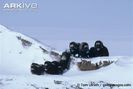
78,50
82,50
54,67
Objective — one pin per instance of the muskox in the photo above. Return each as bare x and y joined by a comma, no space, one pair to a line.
37,69
65,60
98,50
84,50
53,68
74,49
60,67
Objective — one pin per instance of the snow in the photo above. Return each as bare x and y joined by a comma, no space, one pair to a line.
15,61
13,53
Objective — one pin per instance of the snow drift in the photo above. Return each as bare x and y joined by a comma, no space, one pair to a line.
18,51
115,76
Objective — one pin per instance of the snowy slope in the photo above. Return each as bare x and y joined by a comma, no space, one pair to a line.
18,51
119,73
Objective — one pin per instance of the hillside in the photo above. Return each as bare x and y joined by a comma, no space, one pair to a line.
18,51
115,76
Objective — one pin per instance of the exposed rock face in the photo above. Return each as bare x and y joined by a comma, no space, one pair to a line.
87,65
25,42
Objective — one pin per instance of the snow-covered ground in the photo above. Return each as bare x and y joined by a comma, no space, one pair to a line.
18,51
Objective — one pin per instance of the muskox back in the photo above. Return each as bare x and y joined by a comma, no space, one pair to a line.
37,69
